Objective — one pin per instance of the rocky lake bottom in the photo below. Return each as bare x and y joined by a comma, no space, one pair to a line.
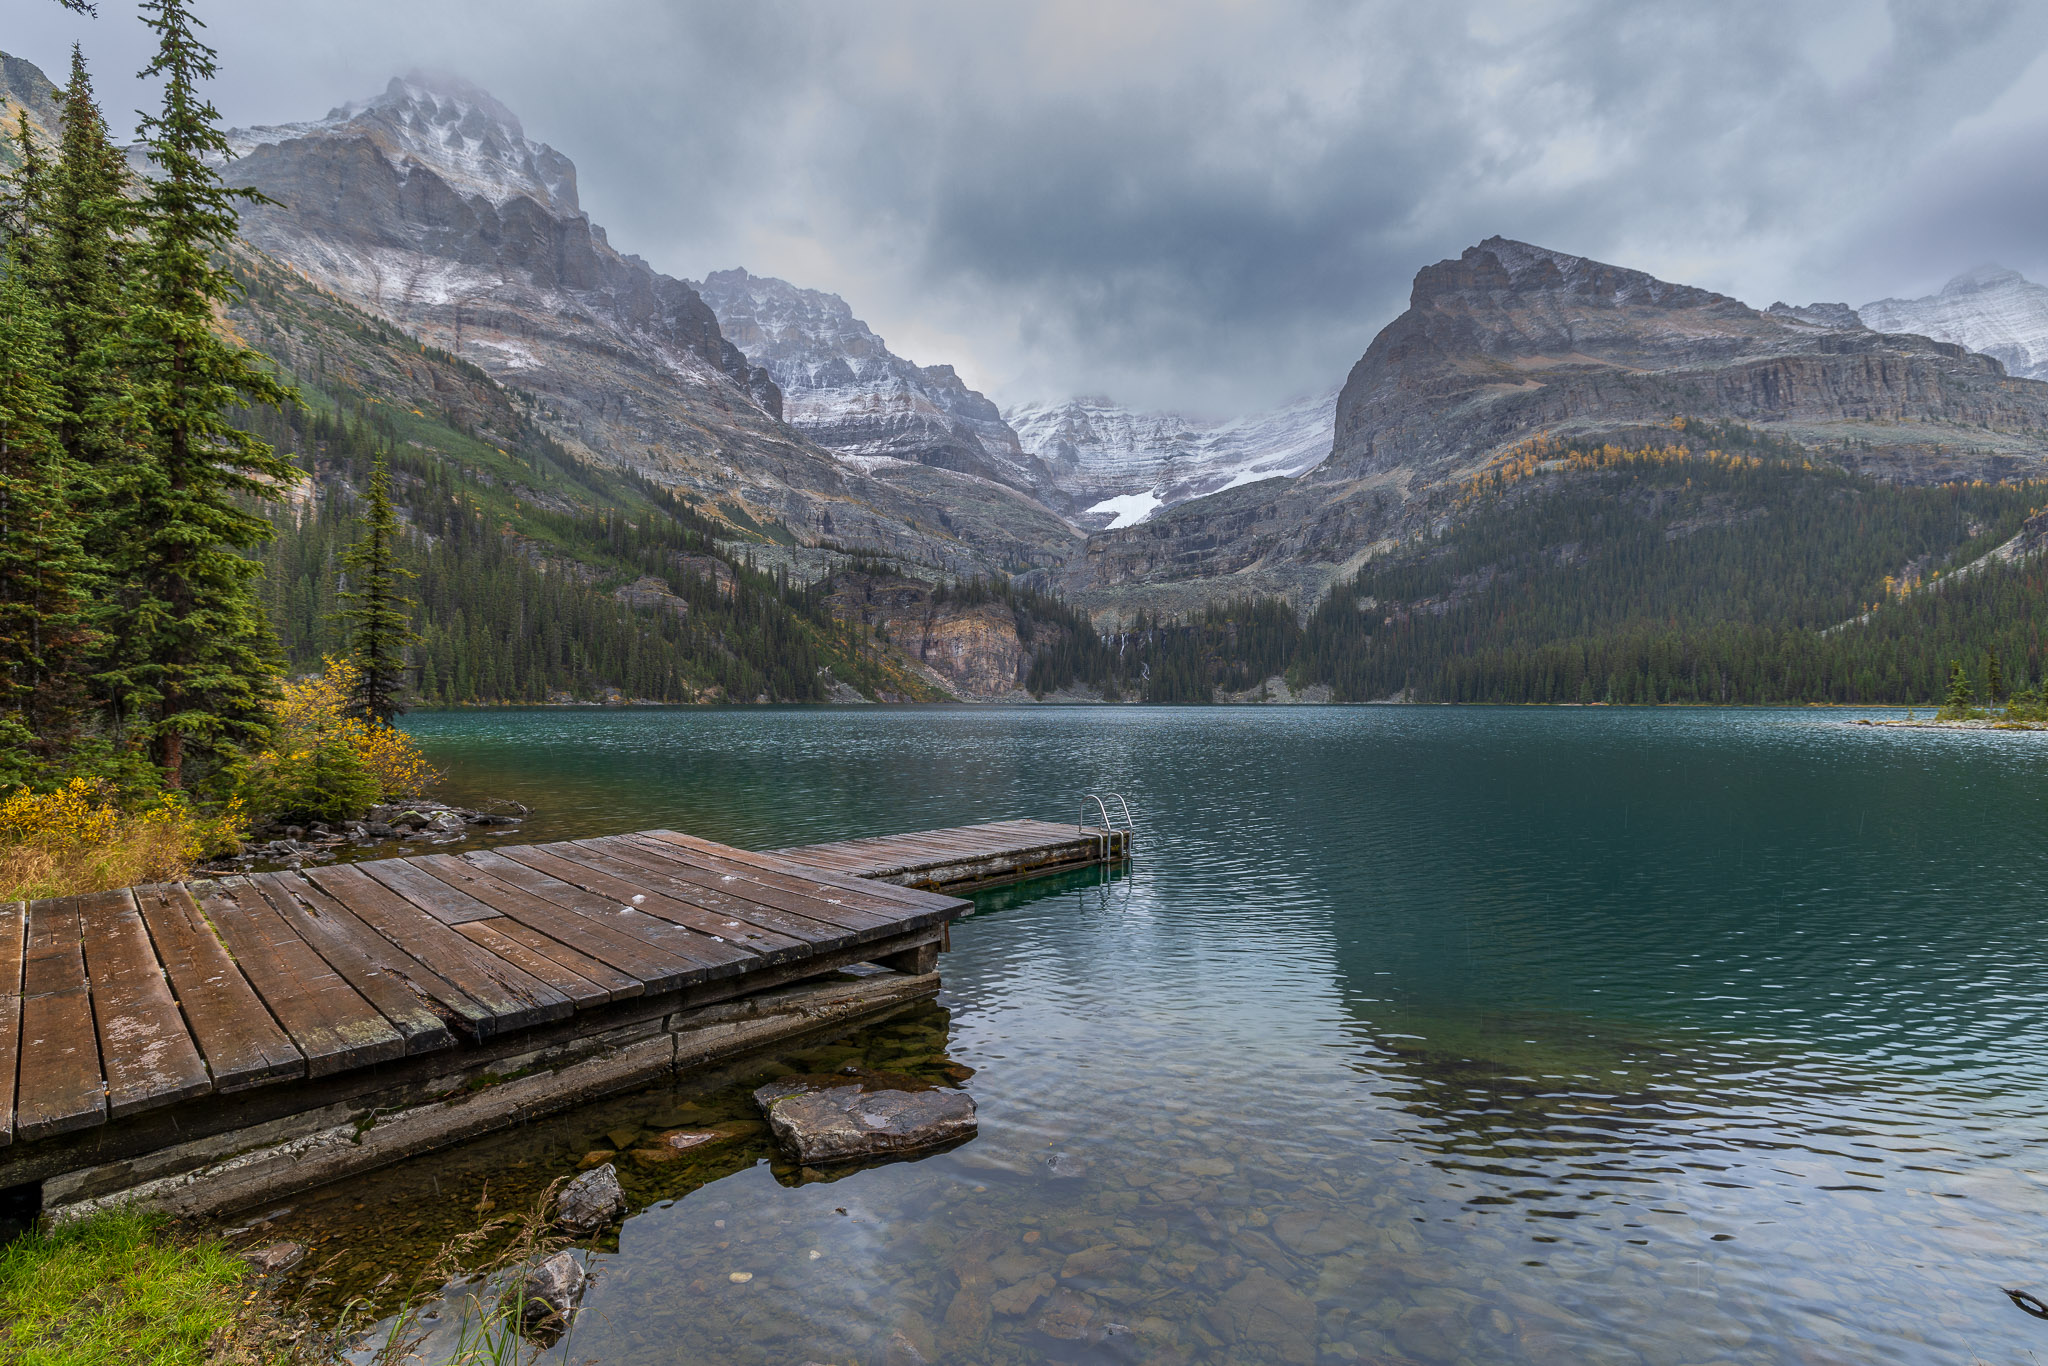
1410,1036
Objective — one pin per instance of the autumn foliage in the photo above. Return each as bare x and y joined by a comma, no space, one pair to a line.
79,839
326,765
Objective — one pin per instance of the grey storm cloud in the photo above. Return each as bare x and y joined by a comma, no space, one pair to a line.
1209,204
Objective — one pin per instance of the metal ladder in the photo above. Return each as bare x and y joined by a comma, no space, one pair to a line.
1109,828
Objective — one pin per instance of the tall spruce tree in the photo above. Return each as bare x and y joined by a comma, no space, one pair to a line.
42,625
25,206
196,660
89,216
379,617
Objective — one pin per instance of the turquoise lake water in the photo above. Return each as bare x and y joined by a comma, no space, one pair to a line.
1412,1034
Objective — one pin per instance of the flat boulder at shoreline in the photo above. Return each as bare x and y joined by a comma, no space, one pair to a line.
821,1120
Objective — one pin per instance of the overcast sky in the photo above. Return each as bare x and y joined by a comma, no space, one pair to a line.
1208,204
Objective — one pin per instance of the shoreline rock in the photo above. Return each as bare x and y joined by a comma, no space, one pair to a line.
280,844
591,1201
548,1294
823,1120
1933,723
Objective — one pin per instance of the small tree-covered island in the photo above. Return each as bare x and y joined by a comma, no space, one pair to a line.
498,739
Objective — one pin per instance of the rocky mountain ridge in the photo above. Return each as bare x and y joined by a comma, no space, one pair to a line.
1096,462
430,207
844,389
25,94
430,198
1509,341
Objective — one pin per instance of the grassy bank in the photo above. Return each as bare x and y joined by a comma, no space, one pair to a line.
118,1287
124,1288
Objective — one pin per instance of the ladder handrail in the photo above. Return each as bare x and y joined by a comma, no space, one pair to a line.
1129,824
1110,829
1082,825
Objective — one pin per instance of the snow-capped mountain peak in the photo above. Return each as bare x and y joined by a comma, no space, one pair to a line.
1991,309
461,132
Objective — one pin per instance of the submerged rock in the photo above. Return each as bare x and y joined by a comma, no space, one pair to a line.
274,1259
901,1351
548,1294
1263,1314
1066,1167
681,1140
831,1119
592,1200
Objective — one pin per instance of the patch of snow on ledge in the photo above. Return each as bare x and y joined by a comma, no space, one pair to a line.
1128,510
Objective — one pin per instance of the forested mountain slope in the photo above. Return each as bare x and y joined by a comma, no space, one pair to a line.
542,577
1713,566
1535,493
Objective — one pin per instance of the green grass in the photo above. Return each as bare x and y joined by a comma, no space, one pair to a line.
114,1288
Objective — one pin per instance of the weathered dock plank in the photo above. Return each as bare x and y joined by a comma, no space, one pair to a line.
629,957
242,1045
585,981
707,958
966,857
769,871
145,1049
334,1028
593,872
503,996
815,919
13,939
378,970
59,1087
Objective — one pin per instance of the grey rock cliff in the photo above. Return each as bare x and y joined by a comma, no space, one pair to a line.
430,198
24,88
845,389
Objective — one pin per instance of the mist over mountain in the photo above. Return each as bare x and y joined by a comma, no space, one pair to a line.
429,206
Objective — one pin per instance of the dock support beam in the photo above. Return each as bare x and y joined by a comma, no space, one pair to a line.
913,962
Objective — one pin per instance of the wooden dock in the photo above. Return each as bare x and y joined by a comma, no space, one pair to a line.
148,1032
969,857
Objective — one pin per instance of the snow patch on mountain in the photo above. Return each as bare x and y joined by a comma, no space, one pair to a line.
1990,309
1126,510
1124,466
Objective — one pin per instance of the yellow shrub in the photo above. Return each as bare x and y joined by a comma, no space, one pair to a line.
76,813
391,755
77,839
326,762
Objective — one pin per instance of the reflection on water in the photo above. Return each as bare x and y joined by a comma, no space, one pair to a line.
1413,1035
